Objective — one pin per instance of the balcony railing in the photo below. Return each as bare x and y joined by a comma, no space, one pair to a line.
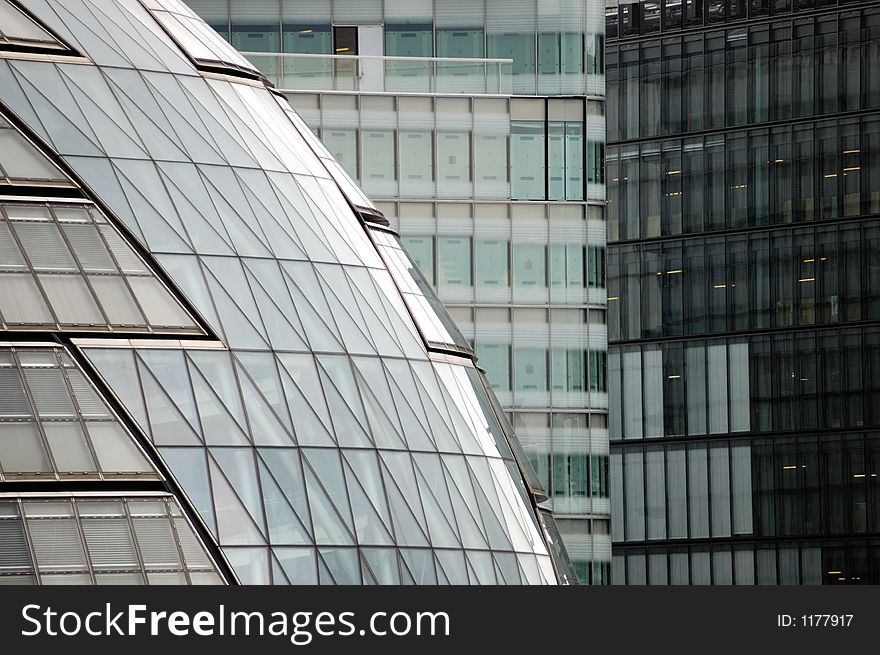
373,73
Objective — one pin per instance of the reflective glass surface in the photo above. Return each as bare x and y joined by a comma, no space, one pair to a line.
55,426
321,441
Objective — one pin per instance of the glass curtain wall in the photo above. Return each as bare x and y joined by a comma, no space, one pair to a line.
743,292
500,201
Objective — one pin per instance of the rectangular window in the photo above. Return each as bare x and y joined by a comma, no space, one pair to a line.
527,160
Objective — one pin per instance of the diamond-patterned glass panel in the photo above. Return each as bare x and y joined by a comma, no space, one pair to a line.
325,440
336,468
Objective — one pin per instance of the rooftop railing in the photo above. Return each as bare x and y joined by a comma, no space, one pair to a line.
374,73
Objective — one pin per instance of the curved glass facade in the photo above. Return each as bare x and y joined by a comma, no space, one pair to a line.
478,129
312,428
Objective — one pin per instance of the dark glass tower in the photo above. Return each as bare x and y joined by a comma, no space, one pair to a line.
744,291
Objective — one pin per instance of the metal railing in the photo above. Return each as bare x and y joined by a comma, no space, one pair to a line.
374,73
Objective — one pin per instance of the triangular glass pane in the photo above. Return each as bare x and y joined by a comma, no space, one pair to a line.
420,563
343,564
438,508
508,567
186,271
454,565
311,308
213,121
458,402
430,398
168,367
382,563
148,200
239,467
266,428
328,524
261,197
284,330
467,515
230,283
239,329
344,402
400,465
117,367
218,425
279,577
342,306
167,425
250,564
324,575
442,579
327,465
132,90
91,93
409,407
366,493
261,368
286,468
407,528
234,524
299,564
477,502
285,527
380,326
235,212
305,399
482,567
196,210
189,123
383,419
190,468
302,220
22,162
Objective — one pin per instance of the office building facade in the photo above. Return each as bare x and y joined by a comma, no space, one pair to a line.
478,128
217,362
744,272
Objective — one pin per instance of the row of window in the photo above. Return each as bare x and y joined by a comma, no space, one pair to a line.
854,561
497,269
538,161
537,376
809,380
724,79
454,147
784,278
572,475
811,485
547,43
633,17
790,174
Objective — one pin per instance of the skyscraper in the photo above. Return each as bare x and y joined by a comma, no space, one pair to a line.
217,363
478,128
744,291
